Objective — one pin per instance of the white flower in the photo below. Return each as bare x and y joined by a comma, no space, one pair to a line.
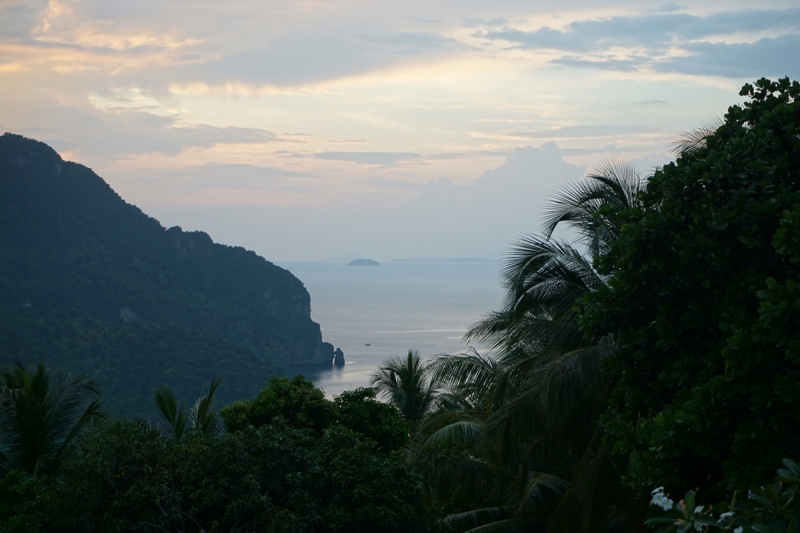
660,499
698,527
739,529
665,503
698,510
727,515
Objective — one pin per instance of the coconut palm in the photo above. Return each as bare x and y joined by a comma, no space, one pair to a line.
44,417
543,276
199,418
530,435
407,385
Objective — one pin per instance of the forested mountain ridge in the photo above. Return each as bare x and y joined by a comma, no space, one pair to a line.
129,360
68,241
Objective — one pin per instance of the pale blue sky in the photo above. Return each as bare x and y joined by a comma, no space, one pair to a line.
307,130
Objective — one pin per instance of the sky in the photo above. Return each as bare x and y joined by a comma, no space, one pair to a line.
312,130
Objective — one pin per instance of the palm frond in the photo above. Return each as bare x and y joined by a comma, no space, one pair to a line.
540,495
692,140
406,383
175,415
613,183
43,419
505,330
201,417
469,374
469,477
587,493
463,433
553,408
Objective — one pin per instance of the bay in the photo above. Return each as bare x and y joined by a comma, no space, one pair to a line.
375,312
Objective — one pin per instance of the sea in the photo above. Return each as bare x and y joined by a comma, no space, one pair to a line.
375,312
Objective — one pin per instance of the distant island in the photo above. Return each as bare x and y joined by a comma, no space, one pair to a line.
363,263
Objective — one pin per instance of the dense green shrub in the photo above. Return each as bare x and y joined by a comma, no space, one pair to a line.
271,478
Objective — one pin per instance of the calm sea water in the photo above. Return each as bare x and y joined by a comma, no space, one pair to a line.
372,313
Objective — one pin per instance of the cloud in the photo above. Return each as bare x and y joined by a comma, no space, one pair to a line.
395,184
669,7
573,132
766,57
472,23
368,158
302,58
439,218
652,31
625,65
226,177
18,19
671,42
119,132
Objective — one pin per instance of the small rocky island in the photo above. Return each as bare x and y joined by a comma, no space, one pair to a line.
363,263
331,356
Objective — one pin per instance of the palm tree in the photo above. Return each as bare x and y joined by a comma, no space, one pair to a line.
200,417
524,422
543,276
43,418
407,385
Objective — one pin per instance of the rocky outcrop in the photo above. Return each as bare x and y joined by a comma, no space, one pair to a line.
330,356
338,357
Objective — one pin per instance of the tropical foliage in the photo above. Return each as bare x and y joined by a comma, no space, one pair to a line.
407,385
659,348
771,508
274,471
129,360
678,307
200,418
270,478
43,417
517,434
294,400
704,297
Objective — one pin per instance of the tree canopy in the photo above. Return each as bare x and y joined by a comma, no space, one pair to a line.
705,300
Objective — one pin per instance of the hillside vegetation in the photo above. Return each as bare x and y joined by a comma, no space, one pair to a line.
129,360
148,305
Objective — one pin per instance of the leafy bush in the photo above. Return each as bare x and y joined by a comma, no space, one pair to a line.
774,508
